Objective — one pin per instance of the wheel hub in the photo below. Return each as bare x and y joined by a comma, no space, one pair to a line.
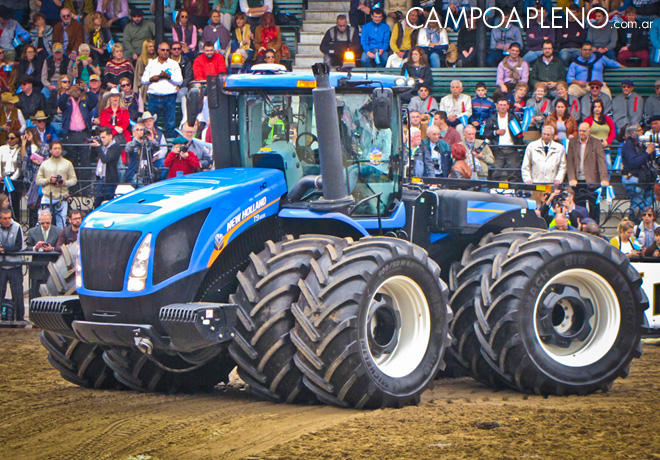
563,316
384,324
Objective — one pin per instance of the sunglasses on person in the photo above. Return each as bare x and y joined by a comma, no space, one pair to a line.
66,81
164,49
65,16
183,16
125,85
11,138
176,48
649,214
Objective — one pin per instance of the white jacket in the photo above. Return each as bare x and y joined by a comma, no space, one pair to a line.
541,168
10,163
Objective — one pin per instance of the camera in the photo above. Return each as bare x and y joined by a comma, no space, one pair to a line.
651,138
59,180
559,199
482,146
89,140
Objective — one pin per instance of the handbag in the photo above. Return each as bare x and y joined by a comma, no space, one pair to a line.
33,195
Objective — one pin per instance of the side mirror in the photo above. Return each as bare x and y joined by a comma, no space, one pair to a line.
383,101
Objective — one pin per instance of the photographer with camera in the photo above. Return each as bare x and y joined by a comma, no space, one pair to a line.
142,153
108,152
55,176
179,160
653,134
638,175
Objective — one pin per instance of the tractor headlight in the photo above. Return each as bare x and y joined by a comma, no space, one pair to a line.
78,272
410,82
137,278
400,82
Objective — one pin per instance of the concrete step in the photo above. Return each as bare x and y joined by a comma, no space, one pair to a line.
317,27
331,5
311,38
308,49
329,17
307,62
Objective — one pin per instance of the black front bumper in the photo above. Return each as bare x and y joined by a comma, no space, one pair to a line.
186,327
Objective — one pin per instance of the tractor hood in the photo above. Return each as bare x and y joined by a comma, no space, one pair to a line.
191,219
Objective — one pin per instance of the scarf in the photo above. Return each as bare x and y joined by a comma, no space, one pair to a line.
268,34
515,76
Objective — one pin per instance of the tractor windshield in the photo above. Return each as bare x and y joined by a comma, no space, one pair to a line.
279,131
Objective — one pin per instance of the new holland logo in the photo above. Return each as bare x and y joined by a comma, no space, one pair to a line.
219,241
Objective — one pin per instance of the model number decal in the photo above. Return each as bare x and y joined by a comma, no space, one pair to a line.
246,212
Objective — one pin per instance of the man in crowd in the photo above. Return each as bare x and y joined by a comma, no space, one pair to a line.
375,40
539,33
479,156
55,176
548,70
545,160
438,151
156,136
511,70
209,63
636,175
196,146
359,12
423,102
586,168
94,89
652,104
163,76
11,240
588,67
595,92
456,105
142,144
76,110
483,107
501,40
136,33
186,69
339,39
55,66
416,122
70,233
69,32
632,41
602,34
422,165
403,38
498,130
10,29
46,132
627,107
569,40
29,100
44,236
107,176
447,133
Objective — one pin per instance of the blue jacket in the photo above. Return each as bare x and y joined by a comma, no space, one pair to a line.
65,105
634,157
482,109
445,156
654,34
375,36
580,69
422,163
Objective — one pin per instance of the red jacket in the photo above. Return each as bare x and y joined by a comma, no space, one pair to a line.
122,121
176,163
204,66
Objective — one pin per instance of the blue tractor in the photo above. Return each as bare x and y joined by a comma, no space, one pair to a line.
308,260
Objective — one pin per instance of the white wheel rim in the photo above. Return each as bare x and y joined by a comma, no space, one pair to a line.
412,335
604,323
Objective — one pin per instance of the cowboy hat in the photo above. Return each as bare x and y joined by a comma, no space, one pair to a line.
40,115
146,116
9,98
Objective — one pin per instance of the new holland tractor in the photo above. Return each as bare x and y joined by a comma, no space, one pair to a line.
310,262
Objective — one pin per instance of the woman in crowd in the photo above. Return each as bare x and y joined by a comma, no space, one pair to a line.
542,108
198,11
215,32
602,126
434,41
563,122
467,44
417,66
185,33
10,165
97,35
114,116
85,65
227,10
625,241
571,101
31,64
130,100
268,36
148,53
34,153
460,169
241,38
42,36
117,68
52,109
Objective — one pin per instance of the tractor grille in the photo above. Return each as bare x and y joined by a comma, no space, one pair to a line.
105,256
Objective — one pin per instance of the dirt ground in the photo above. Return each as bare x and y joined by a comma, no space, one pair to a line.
44,417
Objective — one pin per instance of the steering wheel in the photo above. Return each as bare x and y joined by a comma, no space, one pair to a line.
304,149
